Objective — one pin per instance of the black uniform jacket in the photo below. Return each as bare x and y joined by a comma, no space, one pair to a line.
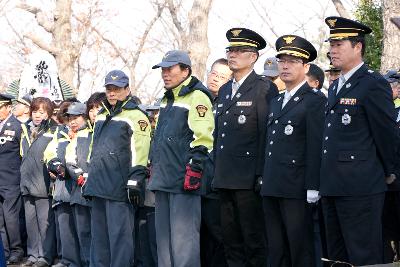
293,148
240,131
358,149
10,159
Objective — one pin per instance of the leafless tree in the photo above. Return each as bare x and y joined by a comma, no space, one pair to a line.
391,36
192,33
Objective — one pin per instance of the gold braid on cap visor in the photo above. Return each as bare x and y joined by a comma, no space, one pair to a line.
289,50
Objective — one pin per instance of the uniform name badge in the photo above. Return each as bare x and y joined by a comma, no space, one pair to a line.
288,129
346,119
242,119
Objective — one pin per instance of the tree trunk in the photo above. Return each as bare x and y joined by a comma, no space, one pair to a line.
391,36
341,9
66,55
197,39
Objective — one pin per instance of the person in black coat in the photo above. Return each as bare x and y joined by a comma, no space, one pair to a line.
291,171
241,115
358,149
10,177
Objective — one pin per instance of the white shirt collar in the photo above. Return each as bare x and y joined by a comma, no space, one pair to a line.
348,75
239,83
294,90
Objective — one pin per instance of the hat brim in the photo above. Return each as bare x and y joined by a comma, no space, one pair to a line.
23,101
165,64
270,73
116,83
74,113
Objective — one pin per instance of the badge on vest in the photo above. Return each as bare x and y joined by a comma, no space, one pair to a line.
346,119
244,103
4,139
348,101
242,119
288,129
9,132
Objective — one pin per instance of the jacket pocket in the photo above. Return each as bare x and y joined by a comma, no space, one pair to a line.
349,156
351,110
292,160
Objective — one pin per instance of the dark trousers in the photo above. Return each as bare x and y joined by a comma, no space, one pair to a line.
112,226
290,234
242,224
10,220
211,247
145,243
40,226
391,225
68,236
81,216
354,228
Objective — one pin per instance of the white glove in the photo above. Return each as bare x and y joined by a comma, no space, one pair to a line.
390,179
312,196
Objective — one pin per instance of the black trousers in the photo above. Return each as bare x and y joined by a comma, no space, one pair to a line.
211,247
145,243
10,210
354,228
243,228
290,234
391,224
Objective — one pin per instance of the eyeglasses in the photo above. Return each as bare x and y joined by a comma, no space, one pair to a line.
218,75
239,50
289,61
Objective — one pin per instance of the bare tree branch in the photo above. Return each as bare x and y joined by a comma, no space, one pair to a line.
150,25
40,43
340,8
39,16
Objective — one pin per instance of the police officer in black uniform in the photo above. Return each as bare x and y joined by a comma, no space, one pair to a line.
357,151
241,117
10,161
291,173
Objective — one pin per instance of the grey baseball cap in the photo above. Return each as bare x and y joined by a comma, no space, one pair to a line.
392,76
76,108
271,67
172,58
117,78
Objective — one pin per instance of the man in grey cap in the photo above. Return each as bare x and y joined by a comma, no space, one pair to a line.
181,166
271,72
21,109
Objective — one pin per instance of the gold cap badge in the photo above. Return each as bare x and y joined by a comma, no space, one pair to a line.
289,39
332,22
236,32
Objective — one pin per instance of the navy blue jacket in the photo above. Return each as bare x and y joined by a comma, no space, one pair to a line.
10,159
184,132
358,149
240,132
293,147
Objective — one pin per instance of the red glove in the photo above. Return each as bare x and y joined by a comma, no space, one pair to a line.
192,178
81,180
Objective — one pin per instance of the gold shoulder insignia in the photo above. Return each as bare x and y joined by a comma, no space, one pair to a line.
289,39
332,22
236,32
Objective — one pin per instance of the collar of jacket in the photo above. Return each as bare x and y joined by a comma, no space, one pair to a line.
194,84
46,125
128,103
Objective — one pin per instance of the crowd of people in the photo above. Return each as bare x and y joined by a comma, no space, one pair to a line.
247,170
